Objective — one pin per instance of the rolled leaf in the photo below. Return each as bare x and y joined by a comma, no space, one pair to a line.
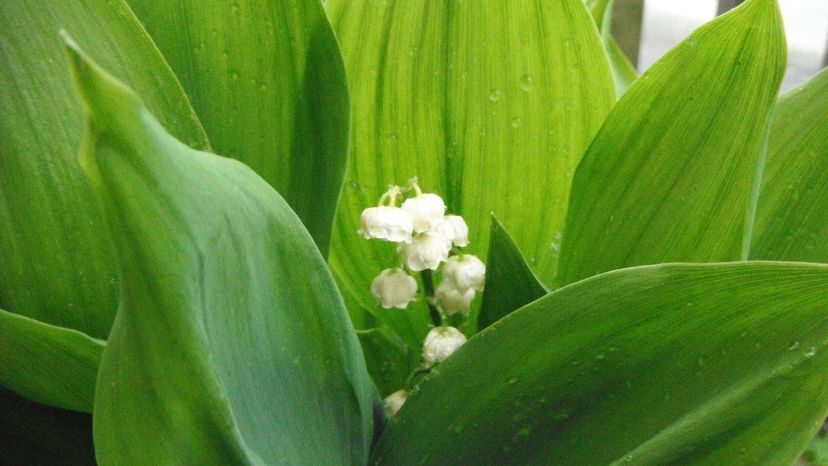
57,262
268,82
510,283
792,221
232,344
670,364
52,365
670,176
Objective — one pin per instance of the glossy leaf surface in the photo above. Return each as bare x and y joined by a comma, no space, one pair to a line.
267,80
52,365
232,345
57,262
792,219
671,364
490,107
670,176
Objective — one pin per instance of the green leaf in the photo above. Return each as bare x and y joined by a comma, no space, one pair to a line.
510,283
47,364
623,70
390,361
669,364
791,220
493,121
670,175
231,345
58,263
267,79
33,434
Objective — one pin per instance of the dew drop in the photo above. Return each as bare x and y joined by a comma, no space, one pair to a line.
811,352
495,95
393,137
516,122
354,185
234,75
601,356
526,82
793,346
512,380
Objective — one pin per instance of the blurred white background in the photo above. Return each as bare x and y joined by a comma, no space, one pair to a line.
668,22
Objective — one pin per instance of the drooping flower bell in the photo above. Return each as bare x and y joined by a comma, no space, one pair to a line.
387,222
464,272
427,210
394,401
394,288
452,300
454,229
440,343
426,251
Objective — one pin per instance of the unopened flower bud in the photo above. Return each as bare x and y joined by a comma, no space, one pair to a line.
394,401
440,343
464,272
426,210
388,223
454,229
452,300
426,251
394,288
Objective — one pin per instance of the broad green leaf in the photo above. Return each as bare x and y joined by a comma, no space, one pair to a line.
817,452
47,364
510,283
33,434
267,80
390,361
231,345
792,220
670,175
623,70
717,364
57,262
489,107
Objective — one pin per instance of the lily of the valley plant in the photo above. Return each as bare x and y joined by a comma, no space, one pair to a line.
210,254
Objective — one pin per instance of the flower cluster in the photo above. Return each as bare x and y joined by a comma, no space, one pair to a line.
426,238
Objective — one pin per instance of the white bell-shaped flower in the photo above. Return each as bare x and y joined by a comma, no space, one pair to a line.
452,300
454,229
464,272
388,223
394,288
426,209
426,251
440,343
394,401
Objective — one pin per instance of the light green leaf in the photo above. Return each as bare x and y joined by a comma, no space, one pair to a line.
34,434
57,262
792,219
510,283
490,107
47,364
670,364
267,80
231,345
670,175
623,70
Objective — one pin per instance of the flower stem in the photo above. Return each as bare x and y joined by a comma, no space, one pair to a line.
428,287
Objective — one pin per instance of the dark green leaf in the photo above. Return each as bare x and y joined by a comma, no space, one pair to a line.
47,364
231,345
717,364
792,218
510,283
57,262
670,175
267,79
